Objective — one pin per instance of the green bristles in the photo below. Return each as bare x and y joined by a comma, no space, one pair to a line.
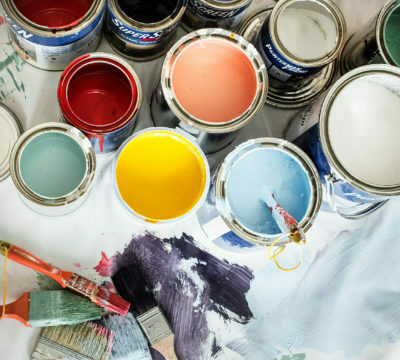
60,307
86,341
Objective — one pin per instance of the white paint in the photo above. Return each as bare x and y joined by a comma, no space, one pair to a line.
9,133
306,33
364,128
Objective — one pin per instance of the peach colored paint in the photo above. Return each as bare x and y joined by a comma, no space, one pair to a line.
214,80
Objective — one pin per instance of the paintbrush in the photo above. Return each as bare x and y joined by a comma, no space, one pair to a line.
97,294
89,341
131,285
51,308
286,222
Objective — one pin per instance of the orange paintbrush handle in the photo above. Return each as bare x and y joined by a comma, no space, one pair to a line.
18,310
24,258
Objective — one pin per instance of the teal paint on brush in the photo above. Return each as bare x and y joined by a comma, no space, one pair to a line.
52,165
392,34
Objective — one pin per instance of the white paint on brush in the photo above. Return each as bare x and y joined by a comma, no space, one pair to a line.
364,128
306,33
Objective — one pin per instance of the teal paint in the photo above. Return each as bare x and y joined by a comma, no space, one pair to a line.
12,59
392,34
13,79
52,164
294,357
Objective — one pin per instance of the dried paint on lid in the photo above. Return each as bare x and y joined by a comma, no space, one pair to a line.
10,130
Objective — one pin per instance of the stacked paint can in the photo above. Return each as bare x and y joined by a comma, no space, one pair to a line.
51,36
224,94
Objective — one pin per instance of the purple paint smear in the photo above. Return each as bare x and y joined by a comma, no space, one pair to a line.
189,283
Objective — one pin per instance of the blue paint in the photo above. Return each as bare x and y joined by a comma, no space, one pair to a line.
256,172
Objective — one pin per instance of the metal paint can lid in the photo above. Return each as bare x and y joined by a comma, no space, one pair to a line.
10,130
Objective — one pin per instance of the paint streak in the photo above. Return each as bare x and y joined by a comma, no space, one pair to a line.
2,21
201,295
13,79
9,65
104,266
46,283
77,265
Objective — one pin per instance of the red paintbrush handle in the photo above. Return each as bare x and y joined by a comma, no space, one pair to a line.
18,310
24,258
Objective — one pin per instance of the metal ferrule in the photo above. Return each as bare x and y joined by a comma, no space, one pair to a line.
47,349
367,45
83,286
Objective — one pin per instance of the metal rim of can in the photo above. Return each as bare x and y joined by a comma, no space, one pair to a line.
392,190
172,19
15,124
226,5
241,43
224,170
380,28
323,60
128,209
40,30
83,143
109,59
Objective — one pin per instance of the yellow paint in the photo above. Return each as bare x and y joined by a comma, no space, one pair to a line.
160,175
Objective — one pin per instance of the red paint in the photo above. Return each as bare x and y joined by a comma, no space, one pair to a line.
104,266
2,21
54,13
77,265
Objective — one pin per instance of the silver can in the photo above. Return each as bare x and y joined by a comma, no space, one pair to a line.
39,39
166,110
370,45
224,14
141,40
68,183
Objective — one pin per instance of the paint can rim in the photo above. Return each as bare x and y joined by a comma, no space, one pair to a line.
337,168
92,58
292,151
226,5
141,218
81,190
242,44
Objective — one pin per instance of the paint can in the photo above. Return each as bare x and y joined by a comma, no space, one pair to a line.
10,130
53,166
235,217
49,35
224,14
143,29
299,41
351,135
377,42
160,176
224,94
100,94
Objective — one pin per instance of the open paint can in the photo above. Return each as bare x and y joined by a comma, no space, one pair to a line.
143,29
352,136
53,166
49,34
299,41
10,130
377,42
224,93
160,176
235,216
224,14
100,94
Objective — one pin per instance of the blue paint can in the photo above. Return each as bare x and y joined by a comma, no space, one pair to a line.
51,37
235,217
351,135
300,37
214,13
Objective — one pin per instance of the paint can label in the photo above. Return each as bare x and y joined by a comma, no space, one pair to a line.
135,36
278,66
203,11
55,53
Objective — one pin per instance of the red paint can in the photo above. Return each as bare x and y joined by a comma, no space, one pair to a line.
100,94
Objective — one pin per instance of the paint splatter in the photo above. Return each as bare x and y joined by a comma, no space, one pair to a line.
202,296
2,21
9,67
77,265
104,266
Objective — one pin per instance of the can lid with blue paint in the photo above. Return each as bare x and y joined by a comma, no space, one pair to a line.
10,130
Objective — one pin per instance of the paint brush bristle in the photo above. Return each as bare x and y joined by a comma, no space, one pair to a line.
89,341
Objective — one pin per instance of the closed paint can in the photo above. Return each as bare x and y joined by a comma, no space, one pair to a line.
214,13
377,42
53,166
224,93
10,130
49,34
351,135
160,176
100,94
143,29
235,216
299,38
